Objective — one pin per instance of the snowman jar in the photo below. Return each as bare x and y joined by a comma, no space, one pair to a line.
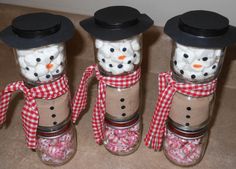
187,92
38,40
118,52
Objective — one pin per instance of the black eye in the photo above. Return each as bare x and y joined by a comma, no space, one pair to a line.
110,65
103,60
124,49
38,59
185,55
112,49
205,58
51,57
135,55
48,76
27,68
129,61
36,74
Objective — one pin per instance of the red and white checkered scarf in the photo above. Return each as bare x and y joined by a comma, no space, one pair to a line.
167,89
29,114
80,98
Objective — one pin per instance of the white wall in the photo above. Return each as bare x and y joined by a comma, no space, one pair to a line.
159,10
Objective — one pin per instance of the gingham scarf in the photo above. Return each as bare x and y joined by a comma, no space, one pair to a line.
29,114
167,89
80,98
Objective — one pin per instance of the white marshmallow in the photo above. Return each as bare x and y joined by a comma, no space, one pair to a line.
46,77
196,63
119,54
29,74
41,62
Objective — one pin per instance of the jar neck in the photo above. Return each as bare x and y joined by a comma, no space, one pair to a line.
123,124
186,134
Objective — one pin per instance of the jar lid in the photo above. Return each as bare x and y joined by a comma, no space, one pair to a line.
53,129
125,123
186,134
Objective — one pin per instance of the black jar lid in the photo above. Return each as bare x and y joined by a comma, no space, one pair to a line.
116,23
36,30
199,28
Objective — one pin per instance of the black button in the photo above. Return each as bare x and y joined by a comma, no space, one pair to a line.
175,62
123,114
186,124
129,61
48,76
53,115
110,65
122,107
51,108
120,66
36,74
185,55
122,99
205,74
188,108
27,68
51,57
187,116
103,60
57,71
38,59
182,72
54,123
193,76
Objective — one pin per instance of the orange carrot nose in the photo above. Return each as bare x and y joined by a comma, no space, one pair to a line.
122,57
49,66
197,66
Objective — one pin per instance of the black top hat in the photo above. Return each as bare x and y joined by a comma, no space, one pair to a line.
201,29
37,29
116,23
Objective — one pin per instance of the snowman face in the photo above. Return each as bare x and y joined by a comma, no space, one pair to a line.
196,63
41,64
118,57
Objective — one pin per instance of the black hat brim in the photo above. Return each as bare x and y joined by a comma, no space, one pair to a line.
99,32
172,29
65,33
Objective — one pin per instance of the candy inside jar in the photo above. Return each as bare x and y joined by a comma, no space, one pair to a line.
122,138
119,57
57,147
42,64
185,148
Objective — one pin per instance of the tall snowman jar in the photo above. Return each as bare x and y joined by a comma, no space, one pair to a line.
187,92
116,121
38,40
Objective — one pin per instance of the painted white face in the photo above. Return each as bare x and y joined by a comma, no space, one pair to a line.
41,64
119,56
196,63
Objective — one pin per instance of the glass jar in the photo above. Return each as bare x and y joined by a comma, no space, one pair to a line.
41,65
191,113
195,64
122,138
119,58
184,148
56,146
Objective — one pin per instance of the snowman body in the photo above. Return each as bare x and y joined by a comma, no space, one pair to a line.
44,65
117,58
193,65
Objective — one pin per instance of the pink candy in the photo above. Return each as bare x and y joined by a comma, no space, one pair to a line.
122,140
57,150
183,151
